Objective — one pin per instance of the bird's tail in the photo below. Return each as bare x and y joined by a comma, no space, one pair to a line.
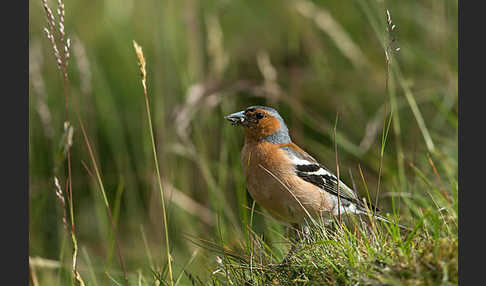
381,218
369,211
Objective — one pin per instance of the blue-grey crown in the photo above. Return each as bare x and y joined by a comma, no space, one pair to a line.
282,135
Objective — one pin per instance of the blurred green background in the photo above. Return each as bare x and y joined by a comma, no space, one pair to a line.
311,60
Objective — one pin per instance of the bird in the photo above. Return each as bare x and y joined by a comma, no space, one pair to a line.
291,185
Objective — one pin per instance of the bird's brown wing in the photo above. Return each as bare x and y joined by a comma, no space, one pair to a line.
308,169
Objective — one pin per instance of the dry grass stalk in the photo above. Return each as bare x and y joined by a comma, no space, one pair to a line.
141,65
68,143
51,33
62,62
143,72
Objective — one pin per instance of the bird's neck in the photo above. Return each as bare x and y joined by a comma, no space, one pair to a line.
278,137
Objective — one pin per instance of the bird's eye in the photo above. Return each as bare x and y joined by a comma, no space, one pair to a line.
260,115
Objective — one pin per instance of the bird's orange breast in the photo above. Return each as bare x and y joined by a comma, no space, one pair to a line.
272,183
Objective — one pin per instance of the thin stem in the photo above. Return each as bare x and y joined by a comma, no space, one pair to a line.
443,189
381,156
337,169
141,60
107,205
160,186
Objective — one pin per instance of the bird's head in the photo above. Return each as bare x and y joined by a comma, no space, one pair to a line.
261,123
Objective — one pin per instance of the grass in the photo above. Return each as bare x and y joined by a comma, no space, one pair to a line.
141,61
168,199
359,252
356,256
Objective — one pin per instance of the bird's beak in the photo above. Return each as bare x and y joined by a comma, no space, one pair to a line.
237,118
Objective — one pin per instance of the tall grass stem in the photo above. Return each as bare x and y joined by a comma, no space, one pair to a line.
141,61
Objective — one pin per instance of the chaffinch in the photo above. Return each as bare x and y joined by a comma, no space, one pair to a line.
282,178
